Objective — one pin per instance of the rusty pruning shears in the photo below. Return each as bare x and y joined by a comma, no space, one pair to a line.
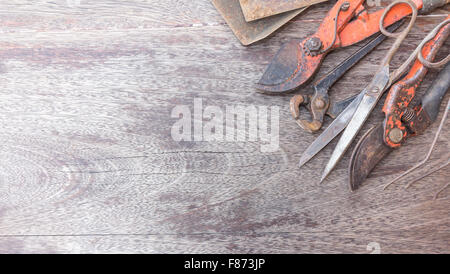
354,116
402,119
347,23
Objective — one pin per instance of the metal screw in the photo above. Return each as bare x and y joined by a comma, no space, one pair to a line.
345,6
396,135
320,104
314,44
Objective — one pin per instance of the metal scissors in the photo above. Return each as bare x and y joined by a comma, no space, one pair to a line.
355,115
318,103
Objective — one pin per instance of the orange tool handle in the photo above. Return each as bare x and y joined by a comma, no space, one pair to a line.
396,107
344,11
367,24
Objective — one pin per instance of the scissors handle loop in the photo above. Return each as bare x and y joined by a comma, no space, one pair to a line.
427,39
399,35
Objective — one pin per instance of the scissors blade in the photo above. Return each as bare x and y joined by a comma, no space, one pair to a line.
371,96
332,131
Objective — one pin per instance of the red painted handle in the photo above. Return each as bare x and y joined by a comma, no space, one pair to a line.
367,24
396,106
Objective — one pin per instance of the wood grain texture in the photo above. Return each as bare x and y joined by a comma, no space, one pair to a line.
88,165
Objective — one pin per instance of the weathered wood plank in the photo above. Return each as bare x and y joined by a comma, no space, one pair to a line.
279,243
88,163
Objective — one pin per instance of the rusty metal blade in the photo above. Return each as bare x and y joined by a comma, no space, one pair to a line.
292,67
368,152
257,9
250,32
288,69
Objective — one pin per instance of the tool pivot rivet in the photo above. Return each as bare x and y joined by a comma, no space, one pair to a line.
320,104
345,6
314,44
396,135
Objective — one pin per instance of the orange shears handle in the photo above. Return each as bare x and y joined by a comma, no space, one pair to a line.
399,114
366,24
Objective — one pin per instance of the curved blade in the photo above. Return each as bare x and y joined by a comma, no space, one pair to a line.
366,155
290,68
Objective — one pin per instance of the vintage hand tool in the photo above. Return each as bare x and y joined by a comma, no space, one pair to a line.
427,157
354,116
298,60
319,103
250,32
257,9
401,119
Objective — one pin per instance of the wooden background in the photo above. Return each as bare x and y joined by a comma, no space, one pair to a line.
87,162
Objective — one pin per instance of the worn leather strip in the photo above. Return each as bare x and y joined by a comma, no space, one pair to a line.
257,9
250,32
